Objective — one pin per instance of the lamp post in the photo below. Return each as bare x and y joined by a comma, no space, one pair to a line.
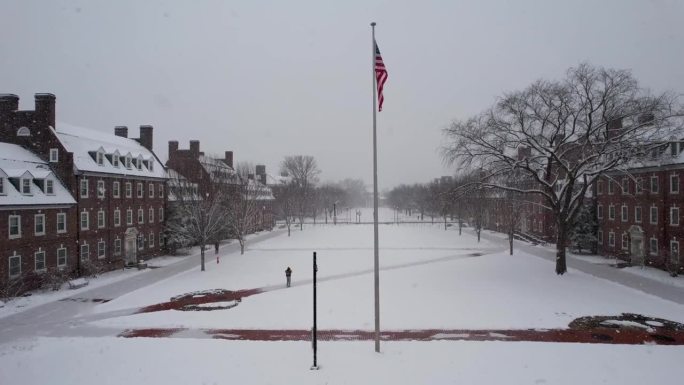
335,212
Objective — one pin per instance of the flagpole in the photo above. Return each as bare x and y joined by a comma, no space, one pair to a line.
375,204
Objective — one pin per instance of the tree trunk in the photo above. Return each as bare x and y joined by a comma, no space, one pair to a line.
561,267
478,230
445,223
288,229
460,226
202,257
242,245
510,240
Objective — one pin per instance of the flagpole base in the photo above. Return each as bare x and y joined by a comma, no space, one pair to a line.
314,368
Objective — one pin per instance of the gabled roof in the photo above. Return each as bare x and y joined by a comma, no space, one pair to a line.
83,141
216,168
17,162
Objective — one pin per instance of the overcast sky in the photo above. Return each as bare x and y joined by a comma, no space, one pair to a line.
273,78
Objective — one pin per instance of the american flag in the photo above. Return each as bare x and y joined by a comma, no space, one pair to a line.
380,75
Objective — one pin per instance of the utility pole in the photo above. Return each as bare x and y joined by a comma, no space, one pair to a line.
314,337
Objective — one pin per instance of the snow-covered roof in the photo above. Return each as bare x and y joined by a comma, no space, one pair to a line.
277,179
177,183
17,163
85,143
217,168
263,192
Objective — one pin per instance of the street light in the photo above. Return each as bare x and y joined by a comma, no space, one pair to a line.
335,212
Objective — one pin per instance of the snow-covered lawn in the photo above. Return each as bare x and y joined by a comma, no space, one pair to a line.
430,279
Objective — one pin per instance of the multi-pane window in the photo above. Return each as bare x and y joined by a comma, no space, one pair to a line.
85,220
624,213
161,214
129,189
161,239
625,186
117,218
639,189
128,162
14,265
129,217
599,235
611,212
141,192
599,187
26,186
2,186
625,242
654,215
674,216
85,252
117,246
39,257
101,248
141,216
100,158
61,223
610,187
116,189
39,224
637,214
161,190
599,211
654,184
84,188
100,189
674,250
115,160
61,256
674,184
653,246
14,226
54,155
150,187
151,241
150,215
141,242
611,239
50,187
101,219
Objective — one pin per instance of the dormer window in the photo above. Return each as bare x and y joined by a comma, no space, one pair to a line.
49,187
115,160
140,161
150,165
26,186
2,186
128,161
99,157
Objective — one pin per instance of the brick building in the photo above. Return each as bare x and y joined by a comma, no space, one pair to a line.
118,183
640,213
37,217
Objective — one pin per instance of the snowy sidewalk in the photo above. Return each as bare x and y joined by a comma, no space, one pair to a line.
634,281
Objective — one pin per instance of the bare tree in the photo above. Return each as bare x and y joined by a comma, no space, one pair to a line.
193,219
304,172
572,132
285,202
244,204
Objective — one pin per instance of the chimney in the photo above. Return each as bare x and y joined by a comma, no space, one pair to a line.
194,148
261,173
229,158
173,147
146,136
121,131
9,102
45,107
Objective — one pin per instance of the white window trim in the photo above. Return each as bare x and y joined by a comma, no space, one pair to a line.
599,187
150,215
129,189
657,186
80,251
66,256
23,184
54,155
161,215
638,219
673,242
161,190
115,160
87,220
101,189
599,211
49,187
9,227
141,216
650,215
624,241
117,217
161,239
116,189
611,189
672,216
599,236
2,186
64,230
611,239
651,251
639,187
622,186
129,217
611,212
104,219
84,183
9,265
35,224
140,190
672,177
103,249
117,246
150,241
150,188
35,261
624,209
99,158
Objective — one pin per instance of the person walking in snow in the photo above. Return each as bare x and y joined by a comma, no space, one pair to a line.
288,275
